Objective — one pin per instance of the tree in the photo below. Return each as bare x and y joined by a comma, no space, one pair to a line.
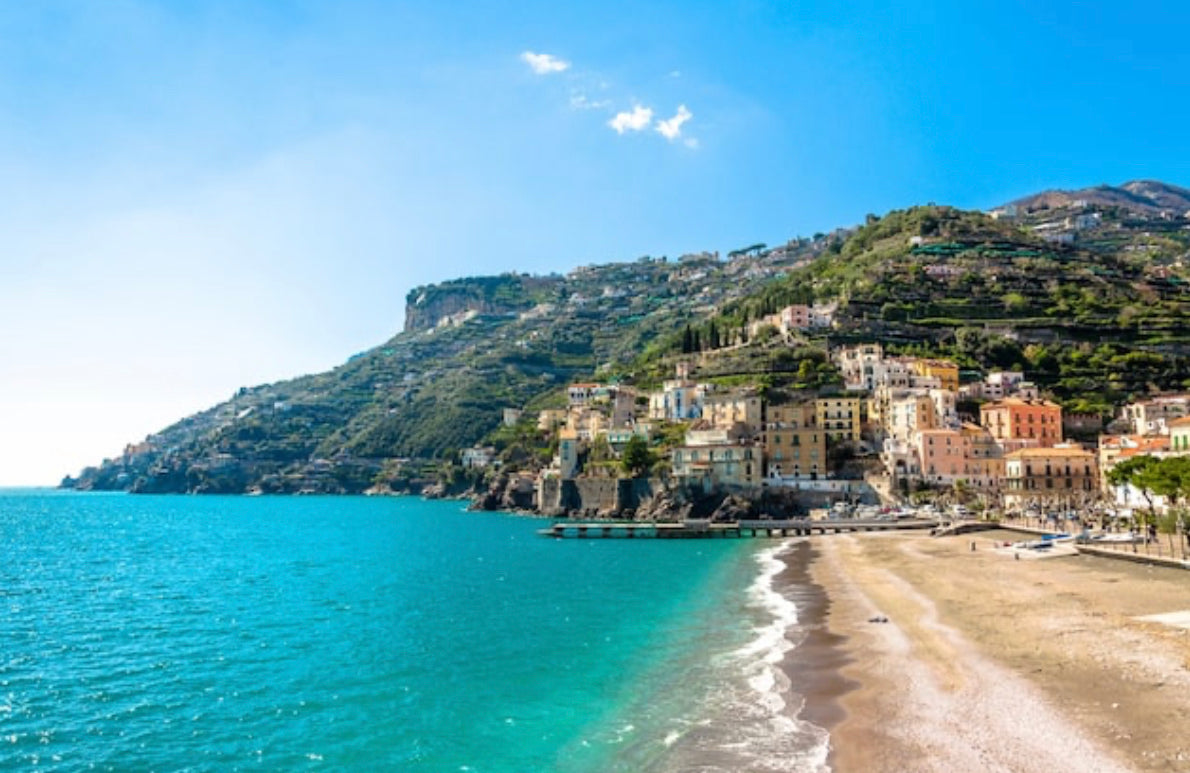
1170,478
1136,472
637,457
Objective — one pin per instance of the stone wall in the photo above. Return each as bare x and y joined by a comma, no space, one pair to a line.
595,497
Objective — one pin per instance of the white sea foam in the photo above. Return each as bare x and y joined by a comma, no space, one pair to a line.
771,737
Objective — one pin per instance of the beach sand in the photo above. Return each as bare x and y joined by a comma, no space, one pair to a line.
989,663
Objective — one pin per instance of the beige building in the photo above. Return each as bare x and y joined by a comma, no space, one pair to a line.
1179,435
735,465
983,458
1060,476
794,446
727,409
839,417
551,418
856,363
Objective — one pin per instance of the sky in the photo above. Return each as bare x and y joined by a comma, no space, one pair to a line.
199,196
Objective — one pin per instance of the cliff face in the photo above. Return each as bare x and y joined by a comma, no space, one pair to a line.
454,302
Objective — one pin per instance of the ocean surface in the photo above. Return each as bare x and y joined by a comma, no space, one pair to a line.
144,633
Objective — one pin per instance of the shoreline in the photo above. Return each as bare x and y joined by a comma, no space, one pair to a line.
816,667
993,663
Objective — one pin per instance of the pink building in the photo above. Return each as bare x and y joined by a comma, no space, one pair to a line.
796,317
942,456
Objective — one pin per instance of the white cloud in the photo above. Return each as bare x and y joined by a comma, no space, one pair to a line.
671,128
635,120
691,143
544,64
582,102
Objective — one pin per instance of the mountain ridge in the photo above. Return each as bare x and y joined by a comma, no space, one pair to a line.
1142,196
1026,293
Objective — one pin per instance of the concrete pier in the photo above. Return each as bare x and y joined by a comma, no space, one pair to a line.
801,527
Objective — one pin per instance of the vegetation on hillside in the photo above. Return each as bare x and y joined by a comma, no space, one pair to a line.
1094,323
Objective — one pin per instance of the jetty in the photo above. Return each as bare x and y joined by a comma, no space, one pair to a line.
797,527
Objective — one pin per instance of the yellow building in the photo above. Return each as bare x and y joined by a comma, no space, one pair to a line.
794,445
839,417
944,370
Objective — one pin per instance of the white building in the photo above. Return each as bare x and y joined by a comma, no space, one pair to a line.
478,458
1152,417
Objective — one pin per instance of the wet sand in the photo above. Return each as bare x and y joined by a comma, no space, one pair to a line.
991,663
815,667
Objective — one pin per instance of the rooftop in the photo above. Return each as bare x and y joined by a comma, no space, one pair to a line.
1041,453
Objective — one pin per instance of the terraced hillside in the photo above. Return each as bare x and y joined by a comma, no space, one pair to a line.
1090,301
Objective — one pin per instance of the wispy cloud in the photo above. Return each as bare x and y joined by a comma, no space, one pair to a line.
671,128
632,120
580,101
544,64
588,91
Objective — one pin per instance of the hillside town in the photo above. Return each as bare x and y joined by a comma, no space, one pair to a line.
900,429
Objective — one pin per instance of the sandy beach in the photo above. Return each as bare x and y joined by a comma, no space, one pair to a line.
989,663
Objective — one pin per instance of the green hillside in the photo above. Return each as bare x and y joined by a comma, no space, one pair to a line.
1090,302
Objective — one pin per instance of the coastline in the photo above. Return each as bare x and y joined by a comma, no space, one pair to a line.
816,667
993,663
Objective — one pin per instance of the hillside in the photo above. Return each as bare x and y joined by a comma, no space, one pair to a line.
471,348
1089,301
1096,318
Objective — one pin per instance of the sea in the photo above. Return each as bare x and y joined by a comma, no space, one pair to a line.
183,633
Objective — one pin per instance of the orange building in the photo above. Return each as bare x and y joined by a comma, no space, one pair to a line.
1016,419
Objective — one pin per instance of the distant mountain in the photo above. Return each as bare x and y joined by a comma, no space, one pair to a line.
1146,197
1089,298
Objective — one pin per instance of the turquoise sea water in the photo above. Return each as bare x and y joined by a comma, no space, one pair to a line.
359,634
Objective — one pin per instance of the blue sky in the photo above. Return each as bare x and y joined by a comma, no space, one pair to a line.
197,196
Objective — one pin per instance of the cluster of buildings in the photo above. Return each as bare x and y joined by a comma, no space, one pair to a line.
1013,451
1005,445
1157,427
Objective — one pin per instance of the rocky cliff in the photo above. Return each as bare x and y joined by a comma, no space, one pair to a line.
453,303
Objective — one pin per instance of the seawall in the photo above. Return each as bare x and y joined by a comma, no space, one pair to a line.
596,497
